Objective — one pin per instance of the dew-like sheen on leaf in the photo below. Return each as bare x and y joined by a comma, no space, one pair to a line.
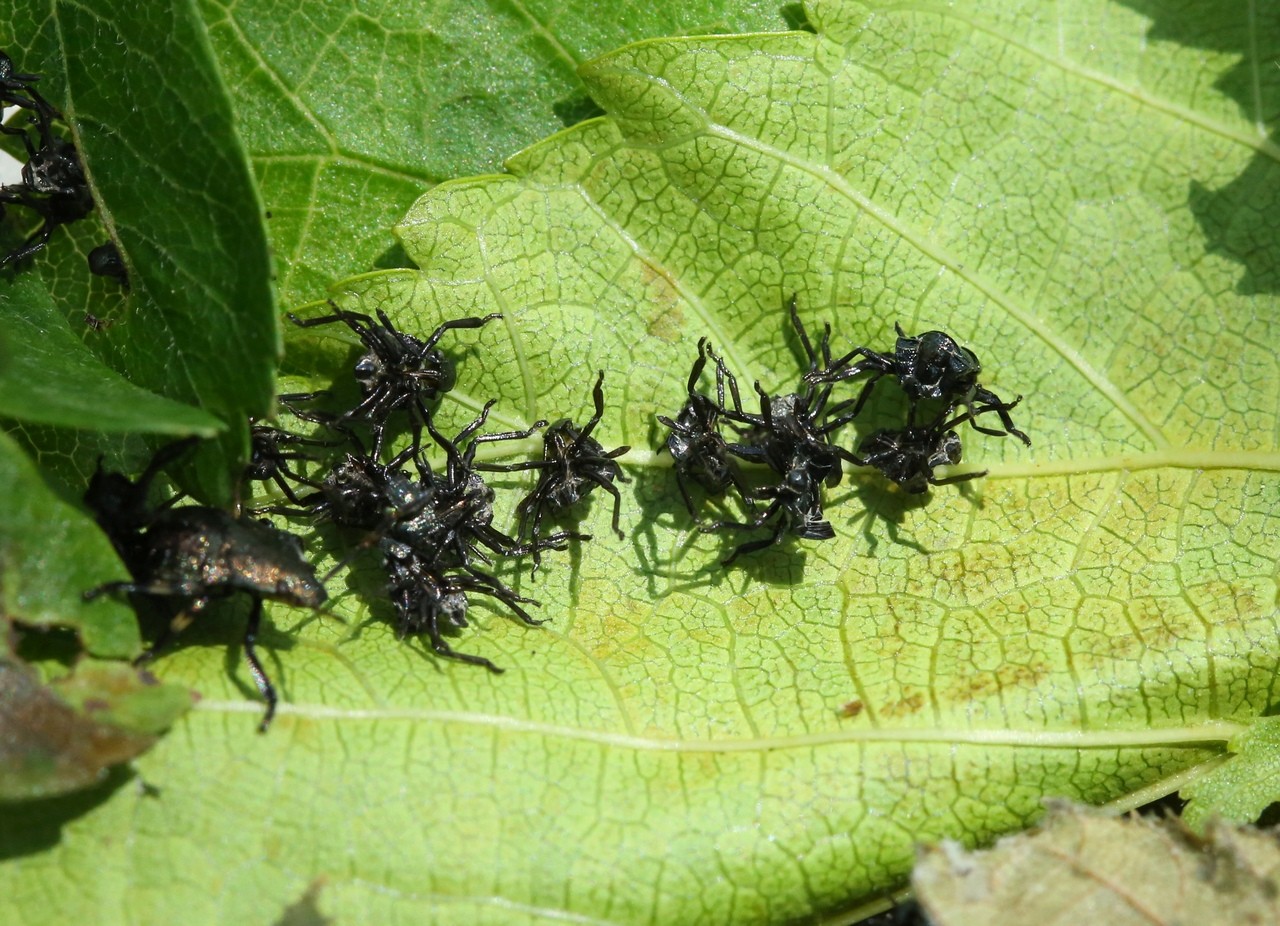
682,743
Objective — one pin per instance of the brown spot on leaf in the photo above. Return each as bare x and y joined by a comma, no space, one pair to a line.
911,704
665,314
851,708
46,746
1008,677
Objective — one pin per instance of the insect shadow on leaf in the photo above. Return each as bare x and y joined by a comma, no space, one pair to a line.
193,555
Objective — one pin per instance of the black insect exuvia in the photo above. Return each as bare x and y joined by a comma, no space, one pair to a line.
357,493
430,531
795,508
797,425
573,463
271,453
195,554
697,447
397,369
793,437
430,600
19,90
53,186
458,518
909,455
105,261
931,366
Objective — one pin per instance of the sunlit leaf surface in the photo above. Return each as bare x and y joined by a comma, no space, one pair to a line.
681,743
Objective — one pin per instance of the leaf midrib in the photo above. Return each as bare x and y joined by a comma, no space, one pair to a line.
1207,733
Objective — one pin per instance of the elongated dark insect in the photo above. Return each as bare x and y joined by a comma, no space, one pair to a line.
196,554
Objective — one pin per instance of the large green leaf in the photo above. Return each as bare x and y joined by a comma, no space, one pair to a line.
683,743
184,211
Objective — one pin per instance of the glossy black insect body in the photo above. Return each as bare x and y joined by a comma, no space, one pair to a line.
358,493
928,367
458,519
105,261
573,463
272,453
797,426
698,449
908,456
795,509
931,366
793,437
20,90
53,186
195,554
430,600
397,369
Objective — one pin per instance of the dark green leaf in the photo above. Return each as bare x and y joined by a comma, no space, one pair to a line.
154,127
50,555
47,375
350,111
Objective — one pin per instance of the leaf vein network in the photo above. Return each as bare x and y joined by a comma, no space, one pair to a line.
1262,145
1033,326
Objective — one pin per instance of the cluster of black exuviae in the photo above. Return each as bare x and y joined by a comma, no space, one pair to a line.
53,186
189,555
431,527
795,435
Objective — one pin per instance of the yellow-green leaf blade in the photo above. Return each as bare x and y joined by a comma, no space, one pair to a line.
682,743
